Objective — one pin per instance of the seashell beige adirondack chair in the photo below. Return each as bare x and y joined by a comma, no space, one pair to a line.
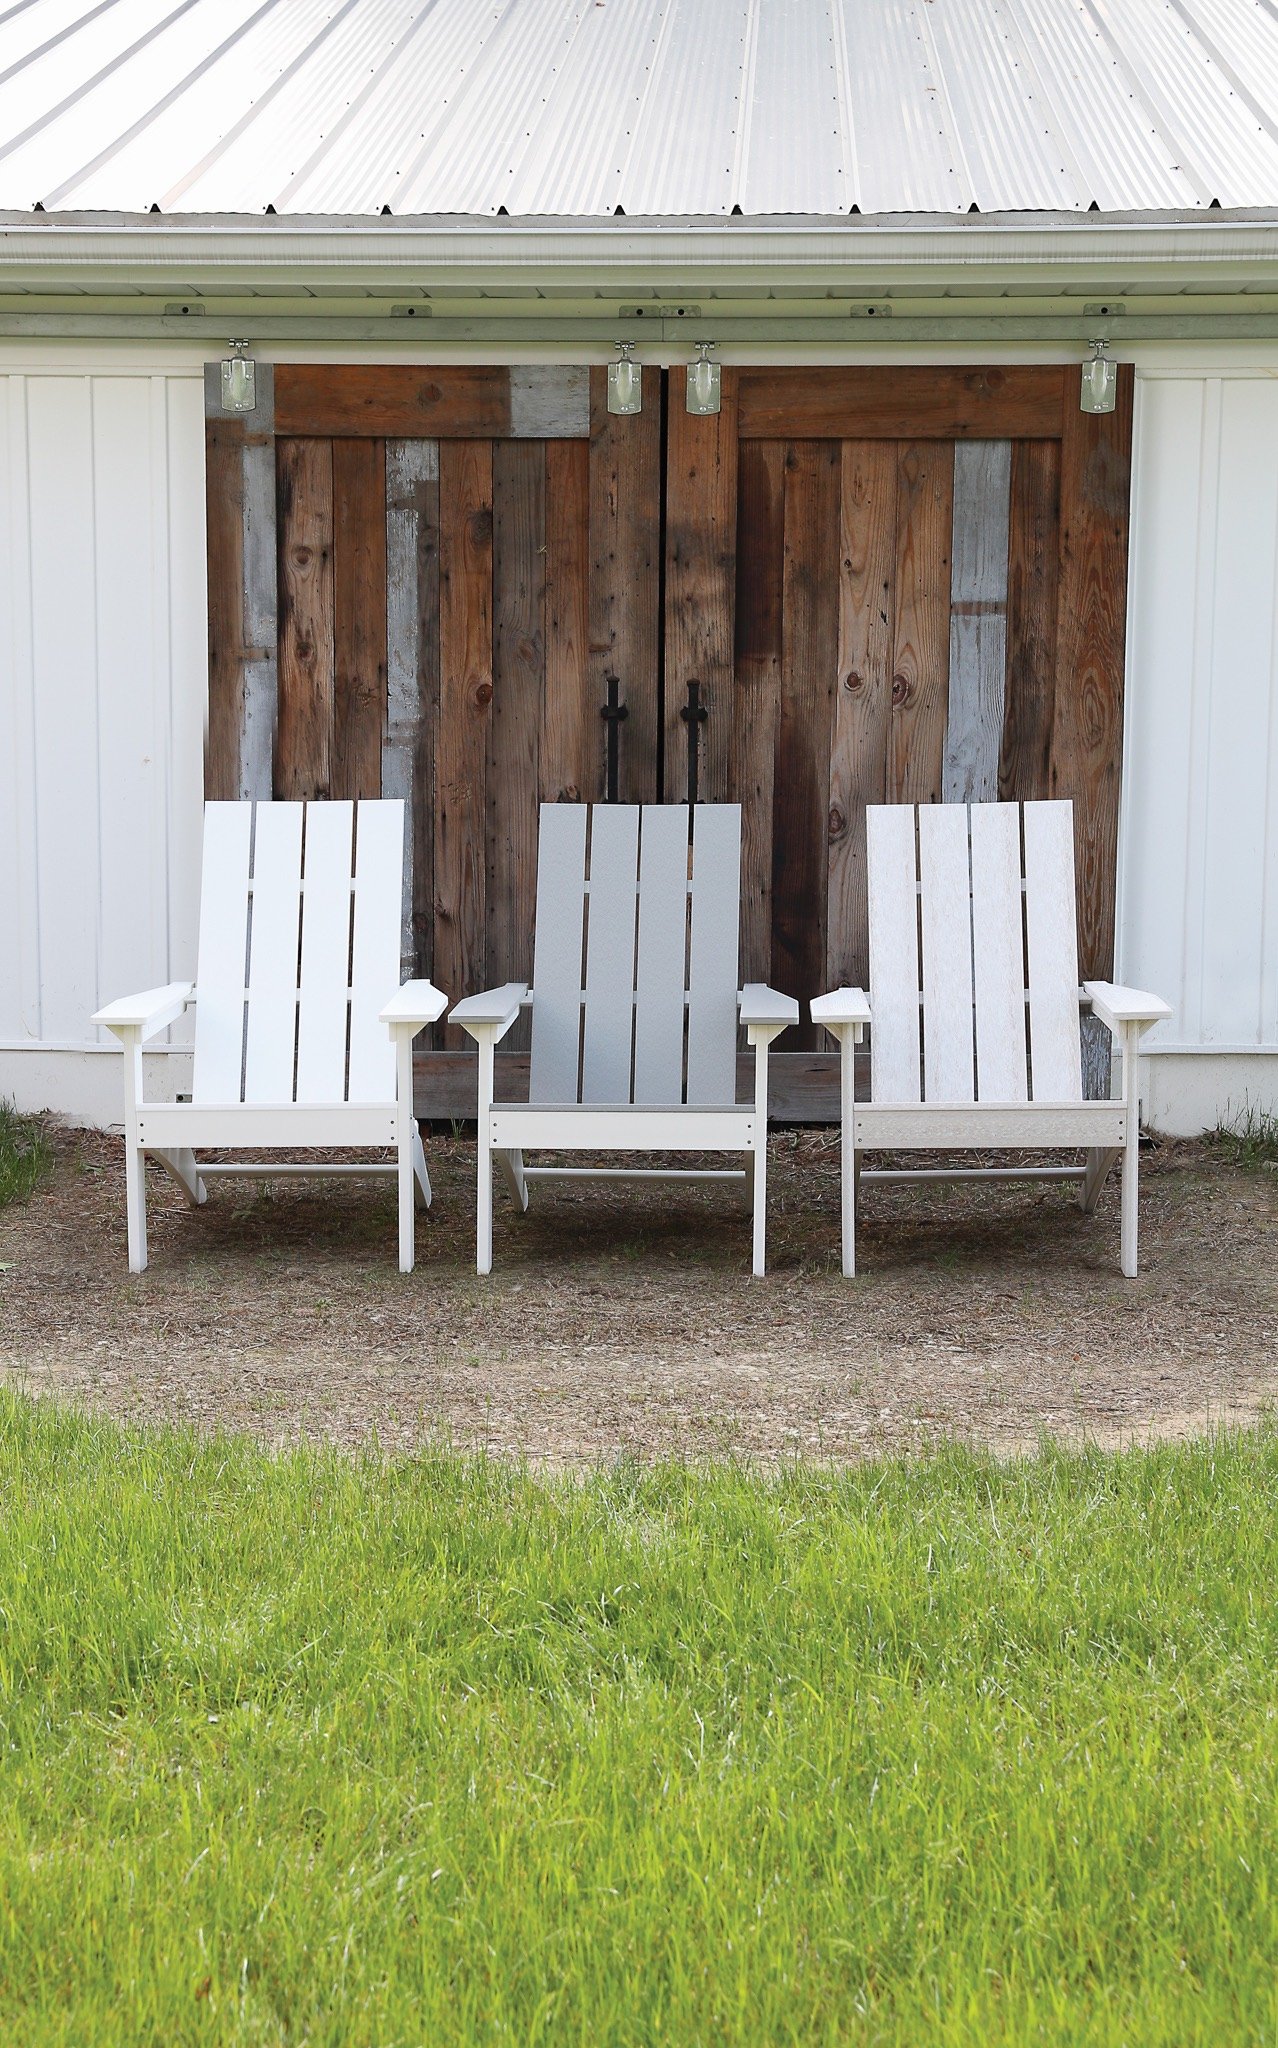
303,1035
999,1063
638,1051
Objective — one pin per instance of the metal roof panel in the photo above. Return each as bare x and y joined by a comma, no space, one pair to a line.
660,108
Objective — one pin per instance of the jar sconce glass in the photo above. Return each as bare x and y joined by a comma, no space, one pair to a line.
625,381
1100,381
703,381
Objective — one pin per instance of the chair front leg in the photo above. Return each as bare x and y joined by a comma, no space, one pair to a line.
1131,1148
485,1036
760,1037
408,1145
849,1037
134,1158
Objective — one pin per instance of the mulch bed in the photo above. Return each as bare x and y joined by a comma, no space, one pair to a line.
623,1320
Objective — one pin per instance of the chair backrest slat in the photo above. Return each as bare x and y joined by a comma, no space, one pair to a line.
998,947
555,1064
608,1025
661,975
375,946
222,955
946,892
712,957
1052,948
893,952
271,1045
326,952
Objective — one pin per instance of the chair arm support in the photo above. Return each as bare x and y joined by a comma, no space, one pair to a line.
762,1005
492,1013
415,1005
1117,1006
148,1012
841,1008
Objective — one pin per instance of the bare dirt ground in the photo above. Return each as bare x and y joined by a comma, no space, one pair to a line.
623,1319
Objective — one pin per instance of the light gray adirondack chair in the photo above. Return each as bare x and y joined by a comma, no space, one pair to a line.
638,1053
303,1035
984,1050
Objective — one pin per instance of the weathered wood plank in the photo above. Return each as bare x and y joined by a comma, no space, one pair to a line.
465,714
978,621
304,733
243,678
1087,733
463,401
701,544
810,646
756,726
519,669
359,616
412,682
550,402
863,698
1033,571
858,402
224,527
570,756
466,400
625,574
921,642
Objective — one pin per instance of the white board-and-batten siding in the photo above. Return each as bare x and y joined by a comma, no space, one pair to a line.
1198,835
103,691
103,697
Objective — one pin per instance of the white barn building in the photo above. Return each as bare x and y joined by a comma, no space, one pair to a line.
897,558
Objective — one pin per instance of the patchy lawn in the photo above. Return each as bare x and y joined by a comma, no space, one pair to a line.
624,1319
307,1748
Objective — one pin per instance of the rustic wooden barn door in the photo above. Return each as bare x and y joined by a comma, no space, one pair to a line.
893,585
448,585
431,585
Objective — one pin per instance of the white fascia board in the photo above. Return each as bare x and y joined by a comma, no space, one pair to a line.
232,252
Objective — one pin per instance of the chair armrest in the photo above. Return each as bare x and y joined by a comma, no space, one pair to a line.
495,1010
1118,1006
148,1012
762,1005
841,1006
417,1003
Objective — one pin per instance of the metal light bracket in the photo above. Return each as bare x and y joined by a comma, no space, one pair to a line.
625,381
239,380
703,381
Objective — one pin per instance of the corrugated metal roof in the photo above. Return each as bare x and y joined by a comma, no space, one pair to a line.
654,107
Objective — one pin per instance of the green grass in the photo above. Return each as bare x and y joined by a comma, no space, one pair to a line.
304,1749
24,1154
1251,1137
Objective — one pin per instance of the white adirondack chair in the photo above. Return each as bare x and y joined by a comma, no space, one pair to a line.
303,1035
640,1053
999,1064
